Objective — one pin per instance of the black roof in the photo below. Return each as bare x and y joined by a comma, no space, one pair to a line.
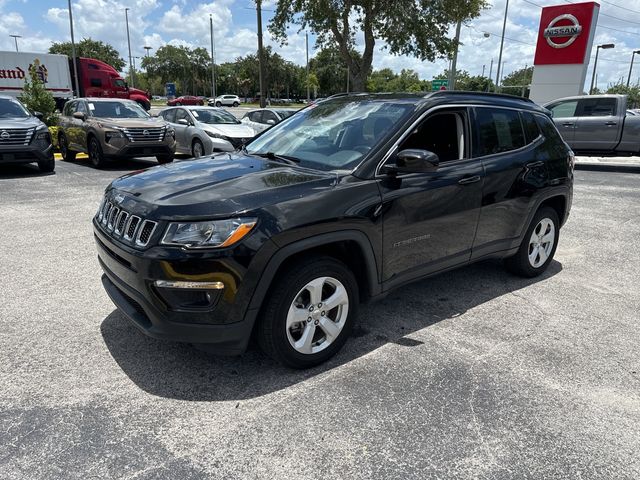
450,96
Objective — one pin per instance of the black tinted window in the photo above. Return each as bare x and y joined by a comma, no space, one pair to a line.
498,131
564,109
547,127
597,107
531,130
96,82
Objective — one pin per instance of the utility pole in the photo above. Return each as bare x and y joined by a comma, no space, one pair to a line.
16,37
73,53
454,61
213,61
306,39
524,83
490,70
126,17
504,27
483,67
263,101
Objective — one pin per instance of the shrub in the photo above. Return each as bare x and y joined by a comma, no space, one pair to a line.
36,97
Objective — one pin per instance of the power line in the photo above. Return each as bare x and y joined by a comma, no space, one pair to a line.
610,16
619,6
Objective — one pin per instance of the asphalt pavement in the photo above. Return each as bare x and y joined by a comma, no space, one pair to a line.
473,374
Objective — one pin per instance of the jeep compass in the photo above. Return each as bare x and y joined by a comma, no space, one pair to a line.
337,205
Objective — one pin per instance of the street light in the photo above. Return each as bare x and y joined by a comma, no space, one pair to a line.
595,63
126,17
16,37
213,60
73,53
147,49
504,27
630,68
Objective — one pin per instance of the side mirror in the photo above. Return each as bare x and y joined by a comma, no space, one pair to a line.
79,115
414,161
38,115
271,121
184,121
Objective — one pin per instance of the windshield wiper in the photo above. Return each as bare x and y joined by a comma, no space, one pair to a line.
281,158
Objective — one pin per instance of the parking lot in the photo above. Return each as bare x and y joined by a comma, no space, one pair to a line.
471,374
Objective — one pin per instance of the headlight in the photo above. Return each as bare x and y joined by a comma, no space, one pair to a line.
215,135
218,233
171,132
108,135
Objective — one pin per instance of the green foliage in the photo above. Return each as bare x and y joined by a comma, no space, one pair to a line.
468,83
53,130
632,92
517,82
331,70
408,27
36,97
91,49
386,81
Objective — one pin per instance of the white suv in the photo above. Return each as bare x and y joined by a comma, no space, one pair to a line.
225,100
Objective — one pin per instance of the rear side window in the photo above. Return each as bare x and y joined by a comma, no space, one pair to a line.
531,130
547,127
498,131
68,109
597,107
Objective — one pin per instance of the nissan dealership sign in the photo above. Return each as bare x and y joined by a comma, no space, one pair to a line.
563,49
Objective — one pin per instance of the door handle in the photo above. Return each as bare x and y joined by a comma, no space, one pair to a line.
468,180
610,124
568,124
534,164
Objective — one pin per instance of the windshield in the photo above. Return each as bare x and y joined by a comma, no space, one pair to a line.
116,110
332,135
213,117
12,109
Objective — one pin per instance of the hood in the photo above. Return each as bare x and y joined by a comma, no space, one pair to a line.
218,186
131,122
28,122
233,130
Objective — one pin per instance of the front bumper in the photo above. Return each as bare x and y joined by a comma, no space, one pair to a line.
138,149
130,281
24,154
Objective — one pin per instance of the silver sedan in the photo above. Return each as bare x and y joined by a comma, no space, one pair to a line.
204,130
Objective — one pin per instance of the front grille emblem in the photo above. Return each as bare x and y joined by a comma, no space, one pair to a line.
119,198
5,135
145,133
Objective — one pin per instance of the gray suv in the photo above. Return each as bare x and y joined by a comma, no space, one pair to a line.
23,136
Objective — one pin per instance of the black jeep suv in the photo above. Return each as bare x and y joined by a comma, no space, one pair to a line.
338,204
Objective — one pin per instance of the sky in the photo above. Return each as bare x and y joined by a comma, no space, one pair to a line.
186,22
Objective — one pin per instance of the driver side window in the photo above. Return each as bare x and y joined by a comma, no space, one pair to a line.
442,133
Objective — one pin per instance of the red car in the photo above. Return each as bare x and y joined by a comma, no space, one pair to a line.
186,100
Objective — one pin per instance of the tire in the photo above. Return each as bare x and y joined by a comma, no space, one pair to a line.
178,104
218,104
67,155
283,338
48,165
535,254
197,149
236,104
162,159
95,153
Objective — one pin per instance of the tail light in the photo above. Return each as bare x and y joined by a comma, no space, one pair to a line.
571,160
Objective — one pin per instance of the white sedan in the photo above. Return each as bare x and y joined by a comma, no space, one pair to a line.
264,118
205,130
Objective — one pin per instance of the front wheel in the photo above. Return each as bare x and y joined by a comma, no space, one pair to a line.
538,246
95,153
197,149
48,165
309,313
162,159
67,154
236,104
218,104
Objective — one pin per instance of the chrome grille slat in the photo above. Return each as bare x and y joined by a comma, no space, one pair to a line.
16,136
154,134
132,227
119,223
145,233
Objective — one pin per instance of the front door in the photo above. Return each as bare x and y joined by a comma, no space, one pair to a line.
565,117
182,136
598,124
430,219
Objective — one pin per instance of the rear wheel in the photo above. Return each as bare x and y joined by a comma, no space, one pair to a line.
179,104
236,104
67,155
309,313
95,153
48,165
538,246
162,159
197,149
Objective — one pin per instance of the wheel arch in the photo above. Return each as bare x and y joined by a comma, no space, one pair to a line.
558,203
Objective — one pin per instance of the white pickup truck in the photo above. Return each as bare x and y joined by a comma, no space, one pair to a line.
597,124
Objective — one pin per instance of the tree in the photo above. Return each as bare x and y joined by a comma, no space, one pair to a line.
517,82
36,97
331,70
632,92
467,83
408,27
91,49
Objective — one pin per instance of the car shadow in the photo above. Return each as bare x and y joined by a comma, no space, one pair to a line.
180,371
124,165
23,170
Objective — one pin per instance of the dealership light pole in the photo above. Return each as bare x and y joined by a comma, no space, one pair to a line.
630,68
16,37
490,72
73,51
595,63
147,49
306,41
126,17
504,27
213,60
263,102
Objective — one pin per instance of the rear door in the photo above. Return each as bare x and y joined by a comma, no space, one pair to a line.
565,117
598,124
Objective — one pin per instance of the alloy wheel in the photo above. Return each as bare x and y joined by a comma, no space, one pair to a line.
317,315
541,242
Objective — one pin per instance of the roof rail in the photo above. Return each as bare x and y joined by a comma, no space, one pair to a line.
484,94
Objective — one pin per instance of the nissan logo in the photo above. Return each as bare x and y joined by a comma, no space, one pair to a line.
571,31
5,135
145,133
